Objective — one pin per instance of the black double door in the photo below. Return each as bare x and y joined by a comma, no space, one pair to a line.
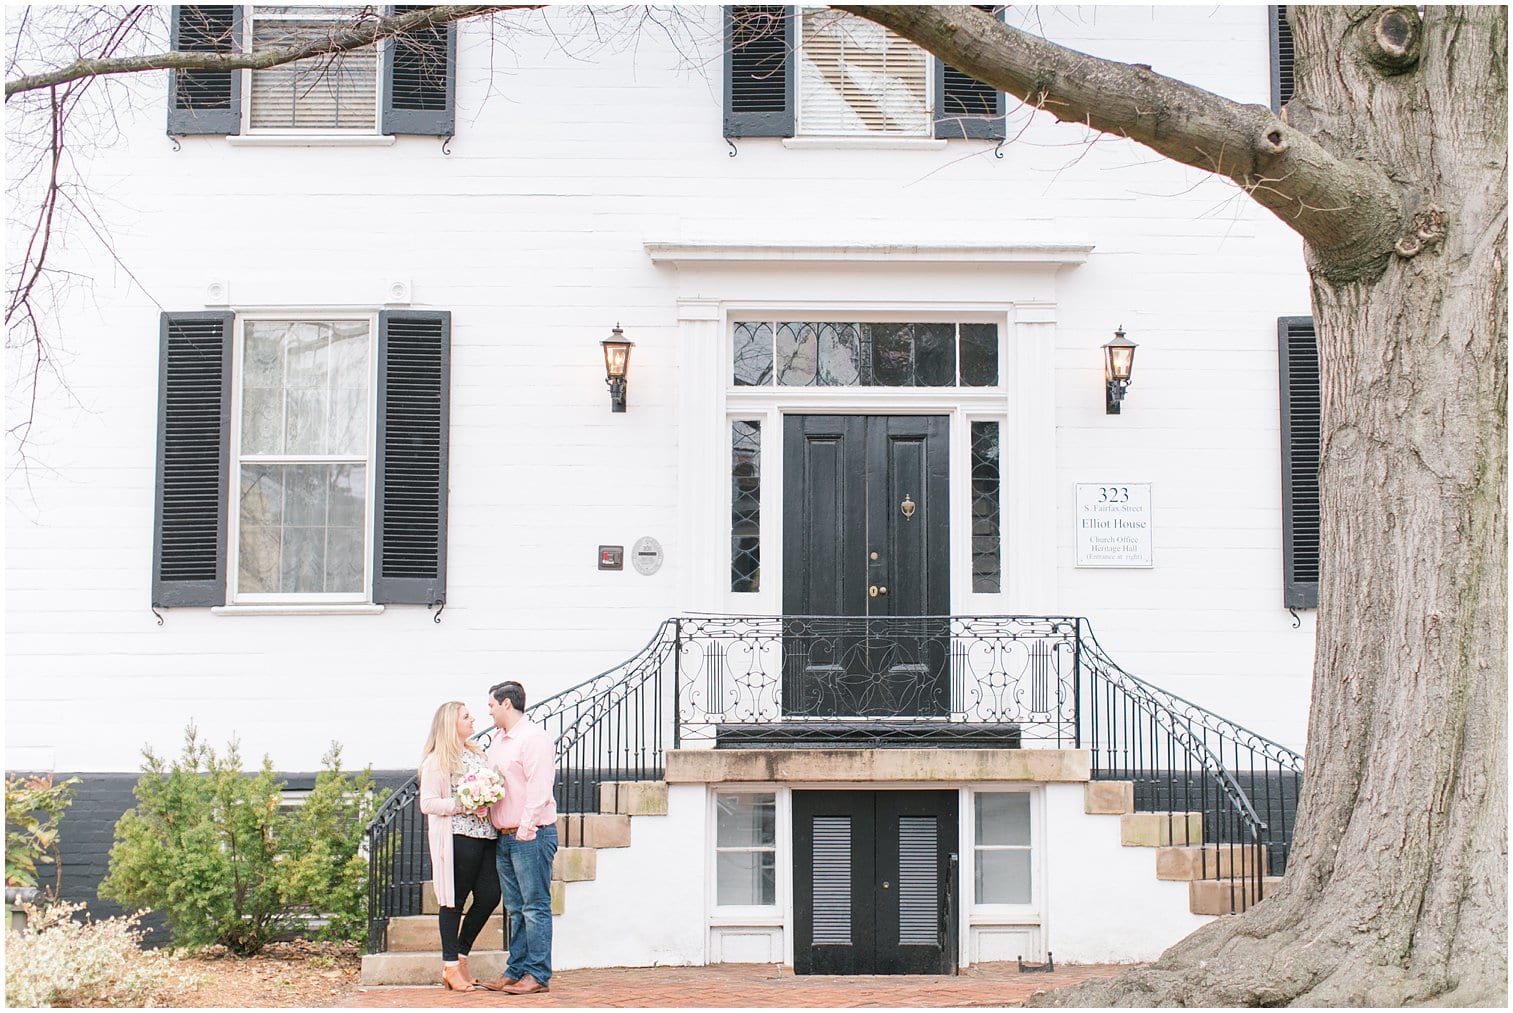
874,882
865,540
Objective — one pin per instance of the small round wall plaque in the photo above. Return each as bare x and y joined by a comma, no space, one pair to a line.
646,556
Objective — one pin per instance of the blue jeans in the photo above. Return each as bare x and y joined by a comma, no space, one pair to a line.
525,877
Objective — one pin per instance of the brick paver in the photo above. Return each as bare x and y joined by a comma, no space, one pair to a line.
726,985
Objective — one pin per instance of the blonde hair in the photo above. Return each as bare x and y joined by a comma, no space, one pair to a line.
443,743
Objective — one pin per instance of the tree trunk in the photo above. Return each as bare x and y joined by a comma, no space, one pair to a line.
1396,887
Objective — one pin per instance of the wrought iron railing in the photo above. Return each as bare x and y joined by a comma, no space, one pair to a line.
962,680
1184,759
611,728
1005,681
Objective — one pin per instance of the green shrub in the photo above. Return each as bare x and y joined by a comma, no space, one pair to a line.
212,848
57,961
34,805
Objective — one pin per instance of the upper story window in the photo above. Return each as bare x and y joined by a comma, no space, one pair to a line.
323,93
858,78
816,72
403,85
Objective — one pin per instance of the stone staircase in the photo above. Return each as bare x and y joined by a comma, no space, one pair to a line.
414,948
1181,854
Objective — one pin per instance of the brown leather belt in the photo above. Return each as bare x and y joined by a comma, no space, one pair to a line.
507,831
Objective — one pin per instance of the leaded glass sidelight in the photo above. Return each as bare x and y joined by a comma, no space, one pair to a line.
745,506
986,485
797,353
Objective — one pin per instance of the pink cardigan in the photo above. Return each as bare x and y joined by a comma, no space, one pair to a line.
436,802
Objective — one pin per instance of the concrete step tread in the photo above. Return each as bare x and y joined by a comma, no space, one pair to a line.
424,968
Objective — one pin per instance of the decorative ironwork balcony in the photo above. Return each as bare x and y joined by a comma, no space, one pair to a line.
764,681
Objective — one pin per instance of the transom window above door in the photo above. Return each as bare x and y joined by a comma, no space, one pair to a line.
791,353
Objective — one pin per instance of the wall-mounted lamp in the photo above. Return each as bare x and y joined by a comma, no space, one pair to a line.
616,367
1118,363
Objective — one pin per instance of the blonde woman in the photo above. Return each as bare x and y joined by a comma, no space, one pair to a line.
462,843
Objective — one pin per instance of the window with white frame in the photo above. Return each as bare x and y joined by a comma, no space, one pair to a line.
1002,848
335,93
746,849
858,78
303,459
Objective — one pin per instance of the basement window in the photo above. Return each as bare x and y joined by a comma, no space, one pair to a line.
746,849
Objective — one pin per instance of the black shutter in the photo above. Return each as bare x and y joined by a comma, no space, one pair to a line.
1299,375
410,508
204,101
1281,58
420,81
194,427
759,71
966,107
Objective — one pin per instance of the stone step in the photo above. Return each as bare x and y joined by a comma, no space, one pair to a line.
1193,861
633,798
572,865
429,906
594,830
419,934
1226,896
1158,830
425,968
1110,798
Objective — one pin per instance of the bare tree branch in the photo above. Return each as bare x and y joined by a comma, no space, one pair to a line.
360,34
1349,213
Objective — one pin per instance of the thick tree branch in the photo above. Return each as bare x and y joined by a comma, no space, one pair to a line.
1349,213
359,34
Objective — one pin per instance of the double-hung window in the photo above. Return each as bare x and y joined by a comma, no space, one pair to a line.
1002,846
302,459
402,85
816,72
746,849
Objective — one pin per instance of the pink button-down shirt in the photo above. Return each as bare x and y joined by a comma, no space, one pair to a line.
527,758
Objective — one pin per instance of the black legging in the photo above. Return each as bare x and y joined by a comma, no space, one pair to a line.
473,872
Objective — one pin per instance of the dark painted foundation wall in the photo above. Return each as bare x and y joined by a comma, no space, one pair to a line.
88,830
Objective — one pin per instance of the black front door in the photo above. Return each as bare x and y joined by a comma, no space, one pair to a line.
865,530
874,882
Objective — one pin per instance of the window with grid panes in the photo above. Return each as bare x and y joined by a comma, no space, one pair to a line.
302,459
792,353
746,849
746,506
336,93
856,78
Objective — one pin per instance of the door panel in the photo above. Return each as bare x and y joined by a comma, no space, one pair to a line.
865,534
873,882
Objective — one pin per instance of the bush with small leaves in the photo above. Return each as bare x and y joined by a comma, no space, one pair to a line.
34,805
214,850
57,960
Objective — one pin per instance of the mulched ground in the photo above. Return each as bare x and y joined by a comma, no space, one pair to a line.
284,974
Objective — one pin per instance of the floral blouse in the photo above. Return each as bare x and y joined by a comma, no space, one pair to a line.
466,824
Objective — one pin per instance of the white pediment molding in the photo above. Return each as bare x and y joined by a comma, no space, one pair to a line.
711,252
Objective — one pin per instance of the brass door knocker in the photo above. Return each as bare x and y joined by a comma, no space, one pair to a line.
907,506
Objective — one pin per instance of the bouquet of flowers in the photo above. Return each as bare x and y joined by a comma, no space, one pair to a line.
478,789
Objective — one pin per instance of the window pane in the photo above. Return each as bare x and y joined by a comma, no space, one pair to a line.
986,540
745,506
840,355
797,354
746,821
1003,818
336,92
979,355
752,355
305,387
856,77
745,877
1003,877
935,355
892,354
301,528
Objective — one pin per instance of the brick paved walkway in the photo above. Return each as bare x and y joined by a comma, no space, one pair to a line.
724,985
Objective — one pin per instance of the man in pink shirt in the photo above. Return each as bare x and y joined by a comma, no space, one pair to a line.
526,819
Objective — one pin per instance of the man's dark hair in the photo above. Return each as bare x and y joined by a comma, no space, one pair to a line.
511,691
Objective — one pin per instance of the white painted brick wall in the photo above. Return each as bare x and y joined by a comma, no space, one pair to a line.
531,232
